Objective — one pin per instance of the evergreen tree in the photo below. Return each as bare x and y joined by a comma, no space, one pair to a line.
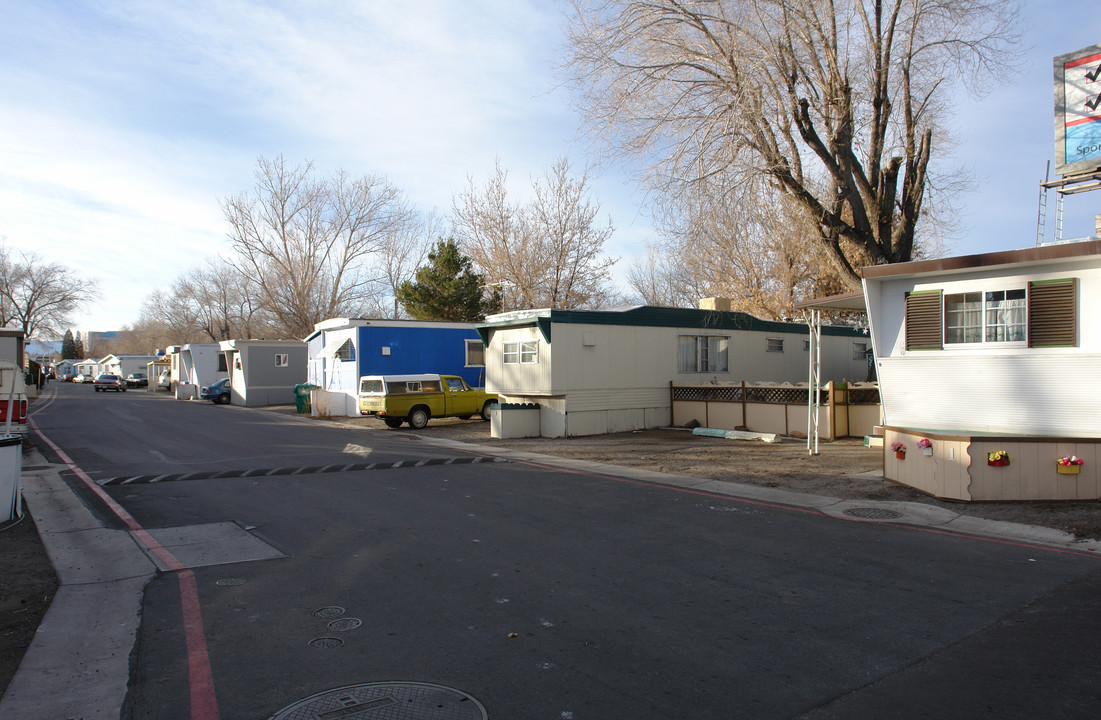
447,289
68,347
79,346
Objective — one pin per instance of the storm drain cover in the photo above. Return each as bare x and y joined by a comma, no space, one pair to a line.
329,612
326,643
386,701
871,513
343,624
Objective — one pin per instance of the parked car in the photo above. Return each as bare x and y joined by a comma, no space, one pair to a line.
218,393
136,380
164,381
79,377
107,381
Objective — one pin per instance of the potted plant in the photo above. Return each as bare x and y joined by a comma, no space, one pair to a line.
900,450
1068,465
926,446
998,458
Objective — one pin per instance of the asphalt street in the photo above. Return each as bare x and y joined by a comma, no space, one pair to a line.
300,557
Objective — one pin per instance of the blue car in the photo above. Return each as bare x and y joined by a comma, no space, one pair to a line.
218,393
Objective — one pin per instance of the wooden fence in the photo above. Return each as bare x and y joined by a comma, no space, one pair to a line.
846,410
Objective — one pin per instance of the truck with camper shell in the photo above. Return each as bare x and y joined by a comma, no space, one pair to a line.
417,398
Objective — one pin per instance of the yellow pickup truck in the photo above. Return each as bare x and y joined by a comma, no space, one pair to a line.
417,398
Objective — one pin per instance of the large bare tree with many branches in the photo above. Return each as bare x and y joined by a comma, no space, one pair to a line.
837,104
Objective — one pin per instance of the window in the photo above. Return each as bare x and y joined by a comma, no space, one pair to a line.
475,353
1044,315
281,360
774,344
860,351
523,352
1005,315
346,351
963,318
806,344
702,353
222,366
456,385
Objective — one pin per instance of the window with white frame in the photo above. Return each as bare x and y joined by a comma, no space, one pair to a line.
702,353
521,352
1005,315
282,360
1042,314
860,350
774,344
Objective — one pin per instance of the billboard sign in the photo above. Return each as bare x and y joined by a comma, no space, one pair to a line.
1078,111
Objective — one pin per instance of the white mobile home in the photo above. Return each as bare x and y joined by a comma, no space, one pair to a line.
595,372
264,372
198,364
999,352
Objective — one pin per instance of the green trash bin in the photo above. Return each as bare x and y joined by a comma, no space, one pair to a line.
302,398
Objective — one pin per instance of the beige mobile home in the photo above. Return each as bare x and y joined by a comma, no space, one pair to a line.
991,353
593,372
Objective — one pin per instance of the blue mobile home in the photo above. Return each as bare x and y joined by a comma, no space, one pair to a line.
342,350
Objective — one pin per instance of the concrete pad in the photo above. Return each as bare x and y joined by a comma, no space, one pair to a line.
211,544
79,663
95,556
911,513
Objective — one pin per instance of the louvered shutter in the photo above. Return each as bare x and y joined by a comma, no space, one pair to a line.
1052,316
924,319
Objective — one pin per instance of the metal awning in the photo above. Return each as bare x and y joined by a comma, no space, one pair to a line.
851,302
331,350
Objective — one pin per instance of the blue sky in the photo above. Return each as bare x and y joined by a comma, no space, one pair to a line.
122,124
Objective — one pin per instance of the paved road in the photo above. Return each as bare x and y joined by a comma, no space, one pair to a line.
546,593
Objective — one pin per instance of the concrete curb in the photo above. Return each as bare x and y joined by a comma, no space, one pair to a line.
78,665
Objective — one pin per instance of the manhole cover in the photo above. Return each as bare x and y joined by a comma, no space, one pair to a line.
328,612
389,700
868,513
227,582
326,643
345,624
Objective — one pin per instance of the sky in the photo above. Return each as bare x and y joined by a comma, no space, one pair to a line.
123,125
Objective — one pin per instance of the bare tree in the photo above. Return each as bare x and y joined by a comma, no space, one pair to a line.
739,246
546,253
40,297
305,242
834,102
400,255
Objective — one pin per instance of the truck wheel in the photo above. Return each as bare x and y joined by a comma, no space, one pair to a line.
485,410
392,422
418,417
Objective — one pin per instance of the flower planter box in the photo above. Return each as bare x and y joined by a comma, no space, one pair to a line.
997,463
1068,469
900,454
927,451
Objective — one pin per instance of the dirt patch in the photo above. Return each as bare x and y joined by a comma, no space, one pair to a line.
27,587
843,469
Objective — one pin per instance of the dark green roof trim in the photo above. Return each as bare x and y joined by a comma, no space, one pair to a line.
649,316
